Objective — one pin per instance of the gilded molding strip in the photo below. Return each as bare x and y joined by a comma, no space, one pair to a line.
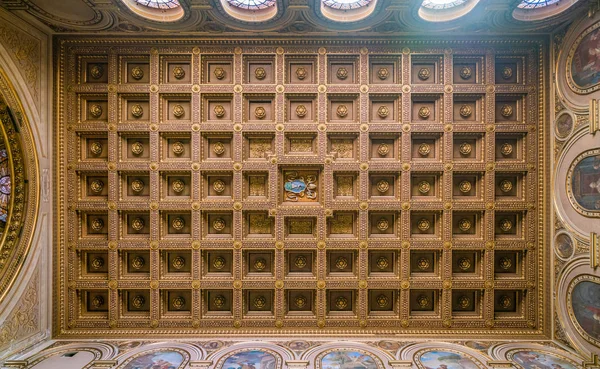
594,250
594,116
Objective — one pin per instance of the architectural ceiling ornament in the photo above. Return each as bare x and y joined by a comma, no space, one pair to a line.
137,148
178,148
465,148
383,73
465,72
178,186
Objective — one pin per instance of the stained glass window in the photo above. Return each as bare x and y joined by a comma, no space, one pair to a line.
159,4
441,4
532,4
5,185
252,4
346,4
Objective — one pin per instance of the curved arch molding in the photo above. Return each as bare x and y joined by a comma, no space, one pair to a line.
22,218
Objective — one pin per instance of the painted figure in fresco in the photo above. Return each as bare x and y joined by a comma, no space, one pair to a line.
585,301
585,68
586,183
299,345
157,360
348,360
446,360
254,359
539,360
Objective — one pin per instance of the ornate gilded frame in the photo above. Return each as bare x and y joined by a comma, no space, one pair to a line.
569,184
569,303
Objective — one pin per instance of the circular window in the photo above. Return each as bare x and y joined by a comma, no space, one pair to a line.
532,4
159,4
346,4
441,4
252,4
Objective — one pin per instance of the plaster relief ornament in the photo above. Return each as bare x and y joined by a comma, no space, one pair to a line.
464,225
505,263
382,301
464,264
424,187
137,73
506,111
465,111
341,263
507,72
138,262
260,112
219,186
178,186
301,73
300,301
383,112
465,148
178,111
137,224
178,303
138,302
178,224
424,112
219,301
219,111
95,110
298,186
97,301
260,264
178,73
383,73
219,148
137,185
464,302
424,149
342,73
341,111
96,186
383,225
506,149
219,73
382,263
383,149
137,148
96,148
505,301
97,263
506,225
341,303
260,73
301,111
300,261
506,186
423,225
465,72
96,71
383,186
219,224
97,224
260,302
465,186
423,264
178,262
137,111
219,262
424,74
178,148
423,301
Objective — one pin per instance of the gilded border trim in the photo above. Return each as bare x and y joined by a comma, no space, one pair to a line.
578,328
568,65
569,185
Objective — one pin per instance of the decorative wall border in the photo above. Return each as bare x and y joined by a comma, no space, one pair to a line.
569,184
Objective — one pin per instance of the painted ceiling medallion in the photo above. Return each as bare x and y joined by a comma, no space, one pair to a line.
97,263
260,112
137,185
507,72
137,111
219,73
506,111
465,148
138,302
464,264
300,301
506,149
383,149
178,186
96,71
178,224
219,111
464,225
219,186
96,148
382,301
178,73
465,72
137,148
506,225
301,73
178,111
341,111
342,73
383,186
423,225
260,73
297,186
383,73
300,261
341,263
423,263
506,186
341,303
138,262
219,148
97,224
260,264
95,110
424,74
465,111
424,187
96,186
178,262
301,111
219,263
382,263
346,4
424,112
137,224
219,301
137,73
252,4
423,301
383,112
383,224
219,224
260,302
178,303
465,186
